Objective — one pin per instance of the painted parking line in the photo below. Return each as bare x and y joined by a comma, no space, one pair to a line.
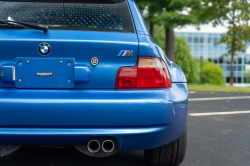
219,113
219,98
191,92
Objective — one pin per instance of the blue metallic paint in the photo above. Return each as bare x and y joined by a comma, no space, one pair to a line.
113,111
176,73
6,72
81,73
81,45
139,119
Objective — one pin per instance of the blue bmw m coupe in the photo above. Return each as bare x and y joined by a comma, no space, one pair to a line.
87,73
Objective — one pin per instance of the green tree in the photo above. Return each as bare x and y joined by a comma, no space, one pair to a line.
212,74
167,13
185,61
233,14
183,57
160,36
149,16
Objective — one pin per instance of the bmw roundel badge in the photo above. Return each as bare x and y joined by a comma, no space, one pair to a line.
44,49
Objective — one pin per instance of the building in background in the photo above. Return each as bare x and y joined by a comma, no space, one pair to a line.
202,45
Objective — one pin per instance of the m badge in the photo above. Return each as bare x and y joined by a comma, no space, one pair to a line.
126,53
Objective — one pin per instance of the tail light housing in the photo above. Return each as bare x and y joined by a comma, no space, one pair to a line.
149,73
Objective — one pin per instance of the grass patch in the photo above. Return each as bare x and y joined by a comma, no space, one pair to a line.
218,88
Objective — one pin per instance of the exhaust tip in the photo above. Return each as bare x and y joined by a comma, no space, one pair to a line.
93,146
108,146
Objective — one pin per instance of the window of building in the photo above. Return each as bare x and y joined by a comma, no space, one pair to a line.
216,40
215,48
239,79
239,68
247,61
228,79
229,68
210,48
220,60
190,40
221,49
201,48
239,60
215,60
196,40
196,48
201,40
210,40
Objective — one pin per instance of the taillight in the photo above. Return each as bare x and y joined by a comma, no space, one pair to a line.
149,73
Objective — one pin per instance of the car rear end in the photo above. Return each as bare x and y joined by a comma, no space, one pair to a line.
96,81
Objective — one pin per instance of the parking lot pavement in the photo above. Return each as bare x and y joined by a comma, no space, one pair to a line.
213,140
218,139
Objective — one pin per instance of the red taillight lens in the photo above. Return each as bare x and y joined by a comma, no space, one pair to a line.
149,73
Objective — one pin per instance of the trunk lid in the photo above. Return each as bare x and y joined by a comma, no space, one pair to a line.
80,46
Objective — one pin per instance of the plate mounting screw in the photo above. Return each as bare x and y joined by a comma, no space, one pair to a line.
20,63
61,61
69,80
69,63
28,61
20,80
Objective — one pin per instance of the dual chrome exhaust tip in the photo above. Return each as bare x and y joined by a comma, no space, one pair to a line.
100,146
107,146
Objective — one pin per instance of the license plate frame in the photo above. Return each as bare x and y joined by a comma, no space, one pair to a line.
44,73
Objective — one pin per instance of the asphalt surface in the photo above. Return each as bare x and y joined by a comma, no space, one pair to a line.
217,140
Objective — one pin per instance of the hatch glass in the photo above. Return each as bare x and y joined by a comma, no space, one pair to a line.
93,15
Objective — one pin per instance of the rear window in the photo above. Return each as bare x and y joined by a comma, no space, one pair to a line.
97,15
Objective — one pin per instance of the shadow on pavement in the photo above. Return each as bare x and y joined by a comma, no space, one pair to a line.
35,156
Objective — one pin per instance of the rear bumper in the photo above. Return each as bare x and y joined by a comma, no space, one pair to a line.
139,119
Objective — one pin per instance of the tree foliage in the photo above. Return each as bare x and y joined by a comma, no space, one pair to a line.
160,37
233,14
247,75
169,14
183,57
185,61
212,74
